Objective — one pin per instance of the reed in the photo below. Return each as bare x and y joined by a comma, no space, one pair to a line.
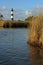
36,31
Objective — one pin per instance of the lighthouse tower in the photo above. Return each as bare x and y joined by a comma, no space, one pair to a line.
12,14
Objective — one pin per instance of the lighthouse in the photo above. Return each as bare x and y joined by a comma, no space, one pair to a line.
12,14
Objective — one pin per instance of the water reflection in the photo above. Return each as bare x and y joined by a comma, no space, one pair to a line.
36,56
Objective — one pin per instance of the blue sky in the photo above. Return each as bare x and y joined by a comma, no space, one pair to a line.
21,4
25,6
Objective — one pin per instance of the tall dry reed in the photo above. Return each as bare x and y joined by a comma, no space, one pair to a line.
36,30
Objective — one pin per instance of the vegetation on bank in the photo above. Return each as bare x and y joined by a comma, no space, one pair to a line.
16,23
13,24
36,30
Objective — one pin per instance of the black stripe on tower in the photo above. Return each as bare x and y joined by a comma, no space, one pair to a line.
12,9
11,14
12,19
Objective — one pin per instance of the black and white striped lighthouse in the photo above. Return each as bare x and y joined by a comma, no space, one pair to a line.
12,14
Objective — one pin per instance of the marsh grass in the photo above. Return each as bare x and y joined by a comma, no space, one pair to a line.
36,30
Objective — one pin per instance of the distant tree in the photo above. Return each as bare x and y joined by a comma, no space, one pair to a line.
29,18
1,16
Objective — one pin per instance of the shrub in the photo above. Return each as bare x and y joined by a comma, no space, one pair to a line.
6,25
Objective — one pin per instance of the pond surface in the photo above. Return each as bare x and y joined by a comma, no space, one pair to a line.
14,49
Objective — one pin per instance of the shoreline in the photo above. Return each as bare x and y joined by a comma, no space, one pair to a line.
13,24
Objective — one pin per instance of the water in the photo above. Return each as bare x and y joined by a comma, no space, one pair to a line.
13,47
15,51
